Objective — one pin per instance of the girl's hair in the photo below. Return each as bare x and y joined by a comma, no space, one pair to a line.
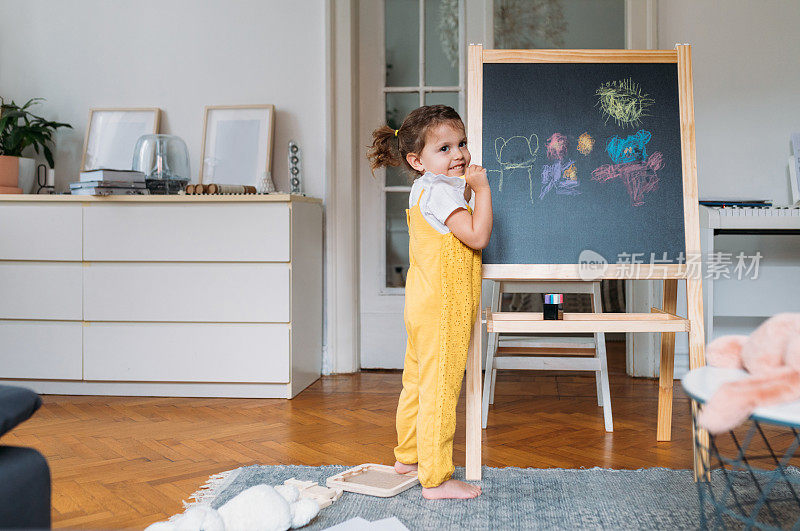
390,146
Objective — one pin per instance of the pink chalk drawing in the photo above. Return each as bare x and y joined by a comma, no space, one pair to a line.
639,176
561,175
556,146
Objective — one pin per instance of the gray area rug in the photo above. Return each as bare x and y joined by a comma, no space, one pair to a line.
513,498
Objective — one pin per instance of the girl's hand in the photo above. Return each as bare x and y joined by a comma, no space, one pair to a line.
476,177
476,228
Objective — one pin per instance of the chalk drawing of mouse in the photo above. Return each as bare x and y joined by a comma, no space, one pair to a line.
515,153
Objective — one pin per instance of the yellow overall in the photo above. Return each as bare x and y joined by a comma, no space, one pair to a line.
442,298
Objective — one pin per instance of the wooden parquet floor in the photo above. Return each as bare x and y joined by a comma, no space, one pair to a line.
122,462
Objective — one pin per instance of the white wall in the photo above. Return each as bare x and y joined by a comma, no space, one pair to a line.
746,90
178,55
747,103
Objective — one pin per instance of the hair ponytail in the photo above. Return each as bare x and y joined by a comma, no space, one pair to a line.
384,150
390,146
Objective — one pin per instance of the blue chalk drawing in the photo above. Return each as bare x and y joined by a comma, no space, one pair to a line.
629,150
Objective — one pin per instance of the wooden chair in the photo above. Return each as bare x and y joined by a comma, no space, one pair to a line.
548,353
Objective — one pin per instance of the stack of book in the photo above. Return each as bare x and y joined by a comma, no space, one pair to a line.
110,182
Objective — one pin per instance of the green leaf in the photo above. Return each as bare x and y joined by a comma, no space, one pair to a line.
49,156
20,128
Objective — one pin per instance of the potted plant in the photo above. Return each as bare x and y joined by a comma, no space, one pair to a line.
19,128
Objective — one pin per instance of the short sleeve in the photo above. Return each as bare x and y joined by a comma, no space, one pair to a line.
443,199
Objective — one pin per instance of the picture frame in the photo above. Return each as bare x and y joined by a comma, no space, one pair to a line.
111,136
237,143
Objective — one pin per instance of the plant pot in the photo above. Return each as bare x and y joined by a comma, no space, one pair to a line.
17,172
9,171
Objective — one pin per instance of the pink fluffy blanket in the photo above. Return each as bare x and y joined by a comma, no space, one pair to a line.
771,354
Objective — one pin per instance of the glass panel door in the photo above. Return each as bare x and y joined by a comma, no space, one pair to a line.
412,53
424,66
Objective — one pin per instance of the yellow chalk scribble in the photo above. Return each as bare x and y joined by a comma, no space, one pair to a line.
623,101
571,173
585,143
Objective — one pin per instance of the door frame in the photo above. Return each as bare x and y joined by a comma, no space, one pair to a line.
340,353
342,235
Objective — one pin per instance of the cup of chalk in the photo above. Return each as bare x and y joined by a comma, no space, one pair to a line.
552,306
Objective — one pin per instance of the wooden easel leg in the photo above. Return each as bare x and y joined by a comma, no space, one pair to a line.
697,358
491,350
494,381
700,443
601,376
665,380
474,432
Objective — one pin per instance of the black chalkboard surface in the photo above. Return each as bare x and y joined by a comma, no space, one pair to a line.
583,157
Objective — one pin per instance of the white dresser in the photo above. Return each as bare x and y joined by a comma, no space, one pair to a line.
161,296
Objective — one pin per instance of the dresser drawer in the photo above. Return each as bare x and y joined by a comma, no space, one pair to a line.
186,352
239,232
209,292
40,232
40,350
40,290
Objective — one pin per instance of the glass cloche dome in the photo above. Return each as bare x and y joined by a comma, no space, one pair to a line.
164,160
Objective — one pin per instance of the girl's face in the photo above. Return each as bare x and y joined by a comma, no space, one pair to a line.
445,151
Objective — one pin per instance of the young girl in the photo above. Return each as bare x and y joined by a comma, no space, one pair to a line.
442,286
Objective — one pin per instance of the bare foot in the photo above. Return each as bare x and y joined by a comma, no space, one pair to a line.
452,488
402,468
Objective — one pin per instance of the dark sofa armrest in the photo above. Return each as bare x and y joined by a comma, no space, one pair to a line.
17,404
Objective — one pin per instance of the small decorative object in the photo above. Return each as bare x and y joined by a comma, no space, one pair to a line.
19,128
237,144
230,189
219,189
294,168
265,184
164,161
553,306
46,179
112,134
794,169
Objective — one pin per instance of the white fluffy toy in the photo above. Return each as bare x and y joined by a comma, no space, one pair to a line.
259,508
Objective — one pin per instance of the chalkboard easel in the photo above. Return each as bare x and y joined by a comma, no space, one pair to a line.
497,267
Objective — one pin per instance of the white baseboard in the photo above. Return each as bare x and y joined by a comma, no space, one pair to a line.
173,389
681,364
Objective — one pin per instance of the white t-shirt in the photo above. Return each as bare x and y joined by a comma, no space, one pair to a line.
440,196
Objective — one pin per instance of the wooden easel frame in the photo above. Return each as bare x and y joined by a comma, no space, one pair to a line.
662,320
